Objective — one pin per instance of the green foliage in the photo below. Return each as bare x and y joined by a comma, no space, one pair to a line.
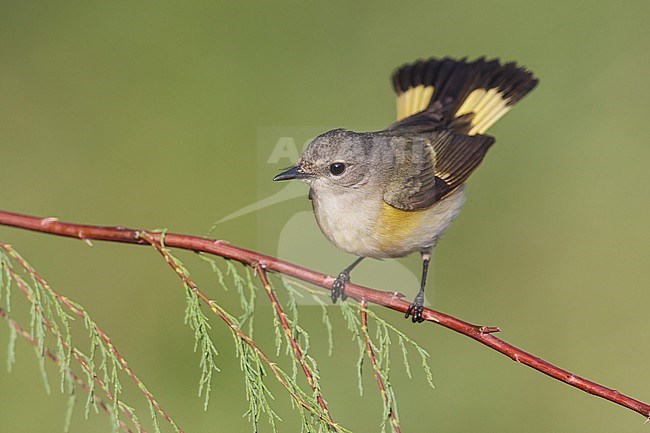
300,335
257,393
5,280
381,346
252,365
102,366
384,329
69,410
198,322
50,318
11,347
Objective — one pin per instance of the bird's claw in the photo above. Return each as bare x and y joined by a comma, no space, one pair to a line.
338,288
416,309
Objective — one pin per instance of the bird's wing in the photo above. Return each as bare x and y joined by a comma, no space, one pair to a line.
429,167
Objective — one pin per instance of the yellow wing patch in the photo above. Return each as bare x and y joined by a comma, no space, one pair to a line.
488,106
413,101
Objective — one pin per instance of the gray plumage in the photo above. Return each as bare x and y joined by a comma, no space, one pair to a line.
394,192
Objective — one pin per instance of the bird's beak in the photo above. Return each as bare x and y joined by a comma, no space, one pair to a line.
295,172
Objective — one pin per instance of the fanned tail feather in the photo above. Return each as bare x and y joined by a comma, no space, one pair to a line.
479,92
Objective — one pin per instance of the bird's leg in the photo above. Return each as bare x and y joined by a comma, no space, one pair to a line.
338,288
418,303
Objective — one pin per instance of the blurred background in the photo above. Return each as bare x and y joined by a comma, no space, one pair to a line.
165,115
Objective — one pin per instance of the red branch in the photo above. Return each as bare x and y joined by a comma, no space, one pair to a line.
157,244
391,300
363,312
300,357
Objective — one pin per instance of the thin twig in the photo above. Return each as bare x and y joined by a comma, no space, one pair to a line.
363,312
21,285
391,300
261,272
153,240
65,301
76,379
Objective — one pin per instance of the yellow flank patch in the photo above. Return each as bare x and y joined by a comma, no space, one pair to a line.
394,226
488,106
413,101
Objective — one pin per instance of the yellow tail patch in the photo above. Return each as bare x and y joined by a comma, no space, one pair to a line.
488,106
481,91
413,101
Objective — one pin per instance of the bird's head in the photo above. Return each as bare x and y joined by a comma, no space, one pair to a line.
336,160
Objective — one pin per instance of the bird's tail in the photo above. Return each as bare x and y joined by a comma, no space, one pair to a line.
470,95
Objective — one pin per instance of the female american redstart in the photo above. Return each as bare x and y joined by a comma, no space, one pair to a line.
394,192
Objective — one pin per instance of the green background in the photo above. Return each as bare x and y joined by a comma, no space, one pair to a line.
154,114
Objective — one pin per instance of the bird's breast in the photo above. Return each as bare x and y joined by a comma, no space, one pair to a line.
347,220
365,225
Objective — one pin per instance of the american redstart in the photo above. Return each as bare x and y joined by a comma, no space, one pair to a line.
394,192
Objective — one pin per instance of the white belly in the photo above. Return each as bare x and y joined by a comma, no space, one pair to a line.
347,220
352,223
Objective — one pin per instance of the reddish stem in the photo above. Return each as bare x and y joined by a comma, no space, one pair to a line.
375,365
155,242
76,379
391,300
294,344
23,288
109,344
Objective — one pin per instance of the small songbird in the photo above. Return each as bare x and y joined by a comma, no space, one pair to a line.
394,192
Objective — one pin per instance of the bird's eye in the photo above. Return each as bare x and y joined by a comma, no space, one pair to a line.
337,168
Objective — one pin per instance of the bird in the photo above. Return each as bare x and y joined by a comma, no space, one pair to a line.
394,192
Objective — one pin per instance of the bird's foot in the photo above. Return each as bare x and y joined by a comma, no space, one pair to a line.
338,288
416,308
